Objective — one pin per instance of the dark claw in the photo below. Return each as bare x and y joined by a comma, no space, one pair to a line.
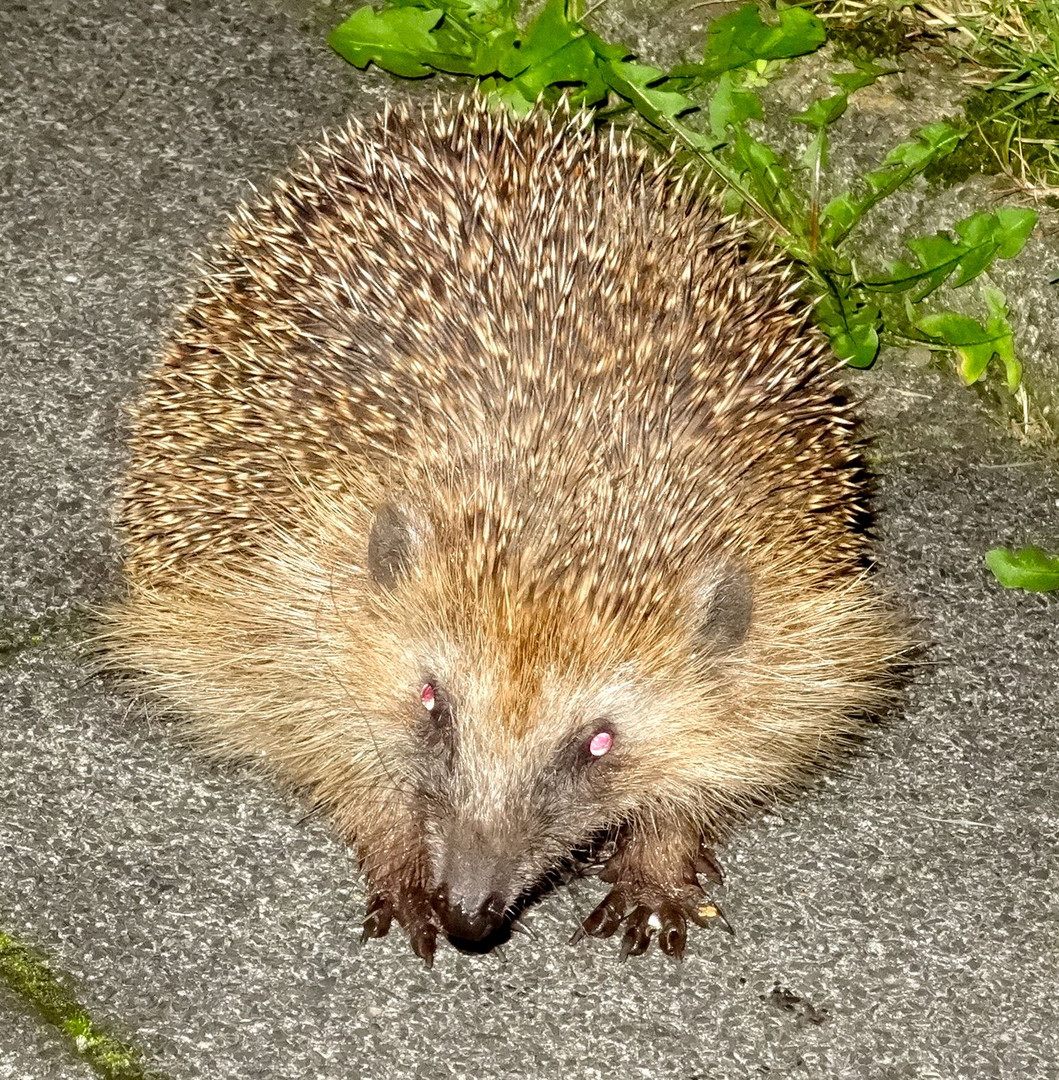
424,942
605,919
653,910
647,906
673,935
637,934
377,918
722,919
408,906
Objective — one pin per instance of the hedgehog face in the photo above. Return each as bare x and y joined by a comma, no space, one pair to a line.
528,751
512,780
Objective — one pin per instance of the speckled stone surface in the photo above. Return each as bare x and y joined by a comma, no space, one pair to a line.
909,904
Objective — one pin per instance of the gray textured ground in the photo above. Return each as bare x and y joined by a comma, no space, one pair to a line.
910,903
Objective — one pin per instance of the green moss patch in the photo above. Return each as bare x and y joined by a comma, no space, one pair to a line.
32,979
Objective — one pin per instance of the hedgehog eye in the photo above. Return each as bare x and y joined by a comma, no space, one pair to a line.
434,727
436,705
600,743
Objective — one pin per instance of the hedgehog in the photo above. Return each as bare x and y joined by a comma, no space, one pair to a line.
496,492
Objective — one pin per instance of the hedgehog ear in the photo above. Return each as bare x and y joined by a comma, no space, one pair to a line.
395,543
721,609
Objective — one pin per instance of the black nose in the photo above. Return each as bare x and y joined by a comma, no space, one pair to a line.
469,918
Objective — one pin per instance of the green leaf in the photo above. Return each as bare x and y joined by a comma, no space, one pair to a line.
742,38
1028,568
497,12
930,142
549,33
494,52
575,62
773,188
981,239
823,111
858,346
1013,228
973,344
508,93
902,163
999,324
557,51
642,85
839,216
731,104
853,327
398,39
866,73
976,344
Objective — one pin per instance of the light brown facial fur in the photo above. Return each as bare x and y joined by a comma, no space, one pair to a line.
493,415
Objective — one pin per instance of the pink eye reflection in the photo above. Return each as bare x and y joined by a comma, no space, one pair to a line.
600,743
426,695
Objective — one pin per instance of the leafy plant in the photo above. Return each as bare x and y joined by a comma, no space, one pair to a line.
1009,52
1015,118
975,344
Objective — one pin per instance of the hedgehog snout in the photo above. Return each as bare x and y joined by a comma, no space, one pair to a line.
473,882
469,918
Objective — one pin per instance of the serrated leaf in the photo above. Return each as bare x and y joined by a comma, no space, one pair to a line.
930,142
398,39
643,86
865,75
936,258
498,12
1029,568
742,38
840,214
976,344
731,104
972,343
508,93
557,51
575,62
858,346
952,328
1014,225
764,174
823,111
549,32
981,239
494,52
606,50
902,163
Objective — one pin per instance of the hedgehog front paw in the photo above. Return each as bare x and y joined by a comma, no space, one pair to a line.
411,906
650,909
